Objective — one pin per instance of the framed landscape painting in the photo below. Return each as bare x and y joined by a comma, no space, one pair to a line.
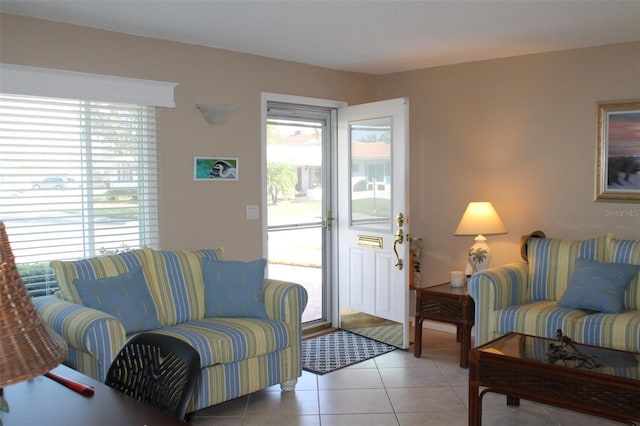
212,168
618,154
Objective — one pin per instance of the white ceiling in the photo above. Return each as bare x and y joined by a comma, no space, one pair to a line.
377,37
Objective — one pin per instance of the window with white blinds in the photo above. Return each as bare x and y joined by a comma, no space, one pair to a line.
77,179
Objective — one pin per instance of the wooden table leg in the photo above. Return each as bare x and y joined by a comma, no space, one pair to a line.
417,345
465,346
475,406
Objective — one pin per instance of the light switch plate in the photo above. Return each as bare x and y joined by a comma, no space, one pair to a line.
252,212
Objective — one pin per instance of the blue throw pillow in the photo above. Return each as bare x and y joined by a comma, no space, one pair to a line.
598,286
126,297
234,288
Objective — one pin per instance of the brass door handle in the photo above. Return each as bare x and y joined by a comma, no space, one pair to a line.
326,221
398,240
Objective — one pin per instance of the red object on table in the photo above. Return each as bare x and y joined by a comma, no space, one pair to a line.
74,385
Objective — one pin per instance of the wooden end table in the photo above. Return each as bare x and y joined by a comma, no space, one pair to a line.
517,365
452,305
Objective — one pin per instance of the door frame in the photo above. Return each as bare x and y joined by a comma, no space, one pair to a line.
333,314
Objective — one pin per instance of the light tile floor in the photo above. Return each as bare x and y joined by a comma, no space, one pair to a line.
392,389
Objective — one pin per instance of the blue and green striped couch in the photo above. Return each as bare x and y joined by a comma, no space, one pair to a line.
238,355
523,296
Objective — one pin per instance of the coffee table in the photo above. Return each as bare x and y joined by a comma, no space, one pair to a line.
516,365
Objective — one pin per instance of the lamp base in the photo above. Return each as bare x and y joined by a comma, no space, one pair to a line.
480,254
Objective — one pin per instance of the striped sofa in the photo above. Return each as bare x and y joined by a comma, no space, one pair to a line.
238,355
523,296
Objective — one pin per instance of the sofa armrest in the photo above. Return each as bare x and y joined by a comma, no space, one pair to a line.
85,329
284,301
493,289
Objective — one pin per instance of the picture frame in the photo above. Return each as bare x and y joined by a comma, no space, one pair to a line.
618,151
215,169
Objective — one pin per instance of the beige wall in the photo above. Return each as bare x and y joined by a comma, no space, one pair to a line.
192,214
519,132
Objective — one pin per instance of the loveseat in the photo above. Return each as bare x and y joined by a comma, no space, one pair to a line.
590,290
246,341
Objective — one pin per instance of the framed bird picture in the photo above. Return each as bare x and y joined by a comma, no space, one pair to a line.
213,168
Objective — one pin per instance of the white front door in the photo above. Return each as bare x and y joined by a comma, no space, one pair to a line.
373,251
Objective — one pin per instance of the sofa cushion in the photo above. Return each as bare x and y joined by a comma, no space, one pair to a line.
551,263
598,286
618,331
628,251
126,297
537,318
177,280
226,340
95,268
234,288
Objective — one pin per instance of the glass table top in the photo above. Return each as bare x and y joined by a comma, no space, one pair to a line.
575,355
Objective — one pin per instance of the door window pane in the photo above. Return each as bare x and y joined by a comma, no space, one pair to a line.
370,143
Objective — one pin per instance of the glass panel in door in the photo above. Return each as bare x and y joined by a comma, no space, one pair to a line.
371,173
295,226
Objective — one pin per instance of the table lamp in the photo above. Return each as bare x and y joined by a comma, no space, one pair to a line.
28,347
480,219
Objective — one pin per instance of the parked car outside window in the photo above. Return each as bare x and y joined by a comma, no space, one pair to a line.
50,183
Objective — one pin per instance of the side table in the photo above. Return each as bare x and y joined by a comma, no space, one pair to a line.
452,305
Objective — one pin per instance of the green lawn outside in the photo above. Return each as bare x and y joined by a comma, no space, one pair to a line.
294,208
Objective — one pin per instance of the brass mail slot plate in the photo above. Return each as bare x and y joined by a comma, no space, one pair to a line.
369,241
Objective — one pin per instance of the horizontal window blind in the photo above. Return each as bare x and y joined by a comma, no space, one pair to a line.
77,179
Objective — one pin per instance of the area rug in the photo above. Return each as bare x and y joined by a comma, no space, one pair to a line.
330,352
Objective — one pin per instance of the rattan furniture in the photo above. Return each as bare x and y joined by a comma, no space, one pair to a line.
519,366
28,346
444,303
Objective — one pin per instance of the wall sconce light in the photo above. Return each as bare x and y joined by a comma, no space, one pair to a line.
216,113
480,218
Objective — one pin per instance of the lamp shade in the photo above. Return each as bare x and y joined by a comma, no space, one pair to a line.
28,347
480,218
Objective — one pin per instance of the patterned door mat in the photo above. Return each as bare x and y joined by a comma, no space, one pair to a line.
339,349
